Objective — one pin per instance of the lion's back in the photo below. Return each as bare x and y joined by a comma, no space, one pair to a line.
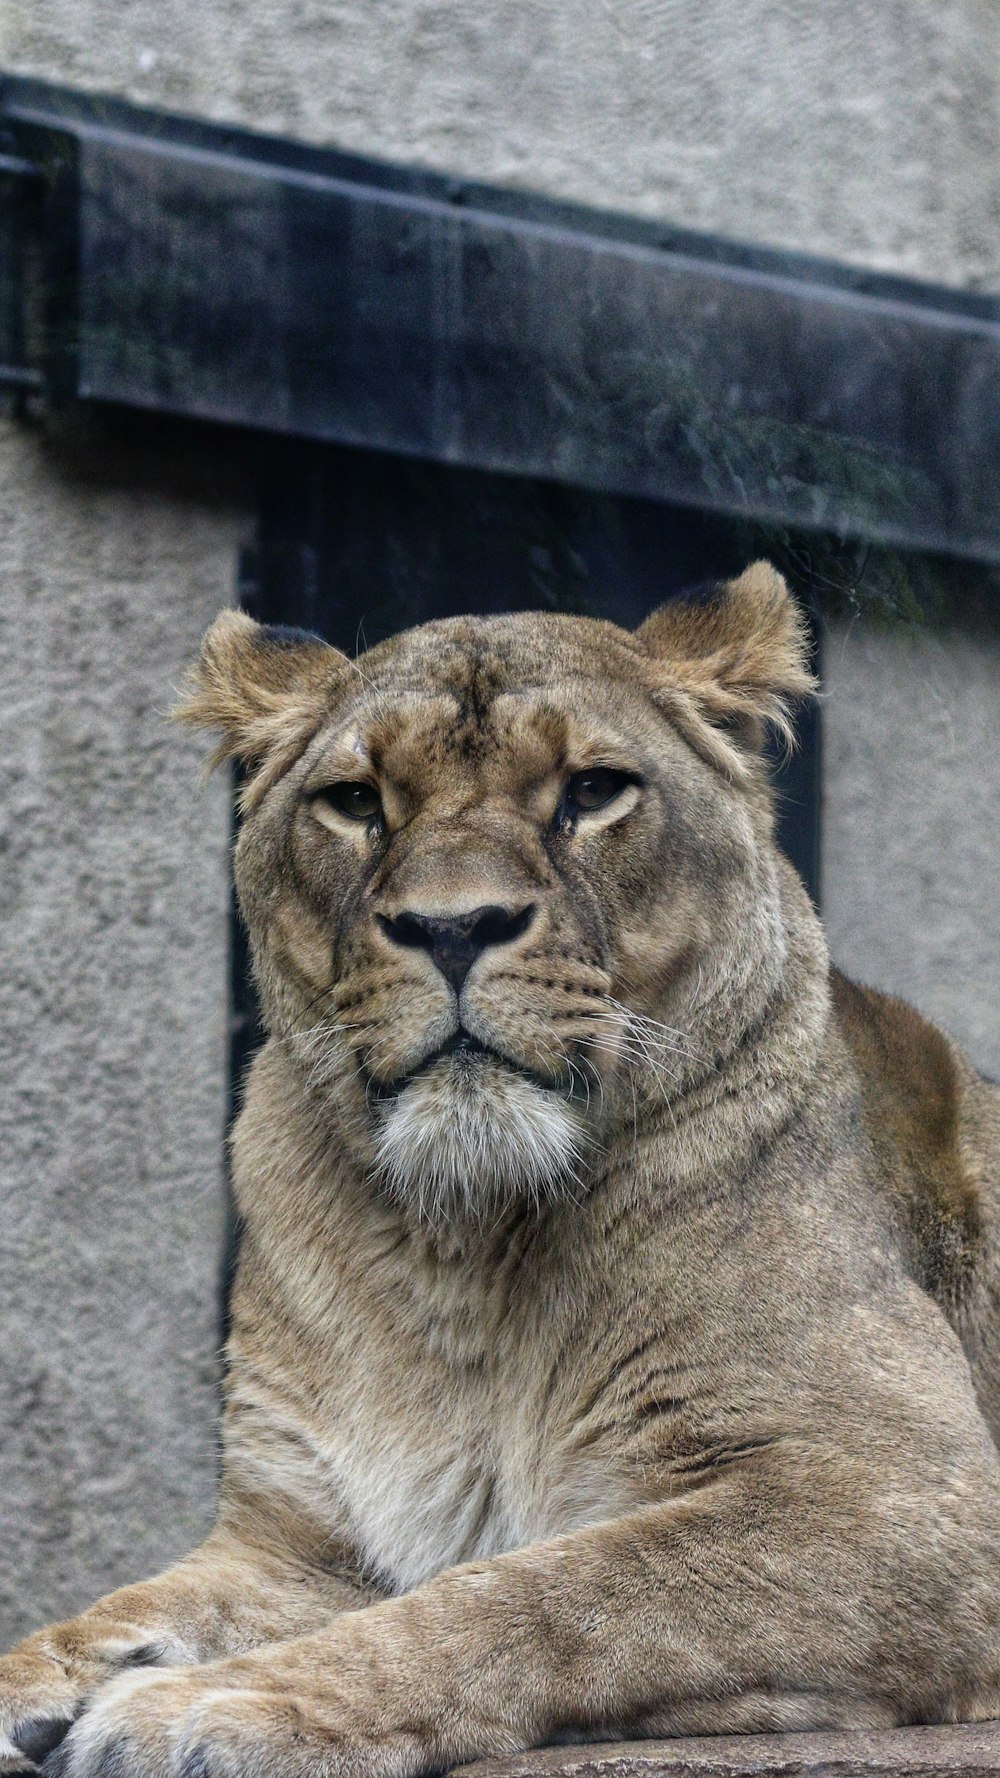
935,1125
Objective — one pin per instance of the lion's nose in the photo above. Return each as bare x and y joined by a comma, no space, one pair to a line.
456,942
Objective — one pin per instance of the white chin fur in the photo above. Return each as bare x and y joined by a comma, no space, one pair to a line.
461,1142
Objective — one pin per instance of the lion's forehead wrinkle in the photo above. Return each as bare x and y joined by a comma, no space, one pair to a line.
376,732
459,755
508,646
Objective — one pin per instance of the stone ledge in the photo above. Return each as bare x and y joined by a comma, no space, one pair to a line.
889,1753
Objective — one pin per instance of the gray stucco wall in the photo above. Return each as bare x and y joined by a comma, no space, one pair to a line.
862,129
911,836
112,1011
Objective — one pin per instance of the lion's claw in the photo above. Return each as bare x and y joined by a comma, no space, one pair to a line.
39,1735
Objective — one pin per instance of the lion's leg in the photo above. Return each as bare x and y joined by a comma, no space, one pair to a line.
223,1599
790,1591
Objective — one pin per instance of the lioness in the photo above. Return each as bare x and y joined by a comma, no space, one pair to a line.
615,1339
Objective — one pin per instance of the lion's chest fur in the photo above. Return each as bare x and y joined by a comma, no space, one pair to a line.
423,1438
424,1490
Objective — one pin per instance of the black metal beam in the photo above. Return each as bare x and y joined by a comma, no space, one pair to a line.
214,274
18,183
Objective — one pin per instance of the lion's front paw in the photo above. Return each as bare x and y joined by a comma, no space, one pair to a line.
39,1698
231,1719
189,1724
46,1681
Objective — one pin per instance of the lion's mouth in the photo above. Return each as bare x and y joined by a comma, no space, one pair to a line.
469,1051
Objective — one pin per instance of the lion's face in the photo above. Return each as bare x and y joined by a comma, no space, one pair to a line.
481,894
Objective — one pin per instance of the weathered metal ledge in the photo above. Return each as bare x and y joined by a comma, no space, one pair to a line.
187,269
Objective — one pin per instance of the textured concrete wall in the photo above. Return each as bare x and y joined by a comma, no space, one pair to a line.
911,838
863,129
113,874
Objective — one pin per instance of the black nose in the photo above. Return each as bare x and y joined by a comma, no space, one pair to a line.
454,944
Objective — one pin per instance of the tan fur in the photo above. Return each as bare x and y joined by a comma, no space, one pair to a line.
632,1372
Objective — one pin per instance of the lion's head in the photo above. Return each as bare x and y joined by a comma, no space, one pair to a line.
509,881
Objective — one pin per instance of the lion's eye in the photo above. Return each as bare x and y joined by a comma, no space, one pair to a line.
591,790
353,798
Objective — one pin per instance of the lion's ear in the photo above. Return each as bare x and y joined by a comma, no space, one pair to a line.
260,686
737,661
